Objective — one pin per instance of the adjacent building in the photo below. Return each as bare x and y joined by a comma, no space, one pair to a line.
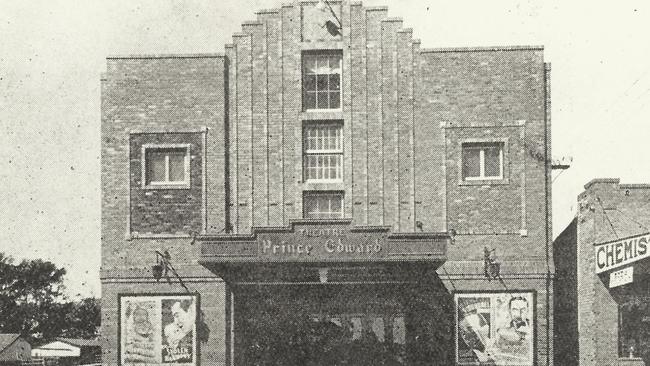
14,349
603,296
69,351
327,190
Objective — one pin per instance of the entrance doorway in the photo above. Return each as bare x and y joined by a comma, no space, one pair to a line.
341,324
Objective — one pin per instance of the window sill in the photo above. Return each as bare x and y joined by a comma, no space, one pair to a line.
167,186
484,182
322,114
137,235
334,185
322,45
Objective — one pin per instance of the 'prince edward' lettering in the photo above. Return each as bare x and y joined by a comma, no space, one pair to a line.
284,248
336,246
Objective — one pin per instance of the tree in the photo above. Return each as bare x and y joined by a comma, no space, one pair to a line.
32,302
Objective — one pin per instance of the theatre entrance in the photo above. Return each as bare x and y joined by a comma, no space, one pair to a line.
342,324
329,293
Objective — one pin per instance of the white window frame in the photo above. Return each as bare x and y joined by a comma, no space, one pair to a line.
307,153
184,184
320,194
324,53
482,146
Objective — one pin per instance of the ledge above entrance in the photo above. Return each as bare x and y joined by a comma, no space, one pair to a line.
314,243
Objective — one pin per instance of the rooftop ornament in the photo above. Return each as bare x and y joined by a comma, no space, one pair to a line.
332,28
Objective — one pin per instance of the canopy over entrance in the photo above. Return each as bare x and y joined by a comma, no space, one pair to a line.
323,251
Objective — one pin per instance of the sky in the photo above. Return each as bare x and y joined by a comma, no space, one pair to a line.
52,53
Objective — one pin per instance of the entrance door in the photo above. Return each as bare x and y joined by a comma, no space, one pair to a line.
329,325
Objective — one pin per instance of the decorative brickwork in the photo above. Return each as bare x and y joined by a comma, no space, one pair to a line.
405,113
166,210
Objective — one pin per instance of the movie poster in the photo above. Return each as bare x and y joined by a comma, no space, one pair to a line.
158,330
495,329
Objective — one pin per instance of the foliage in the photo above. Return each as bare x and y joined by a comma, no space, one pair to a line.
32,302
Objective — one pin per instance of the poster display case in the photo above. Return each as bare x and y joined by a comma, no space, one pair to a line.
495,328
158,329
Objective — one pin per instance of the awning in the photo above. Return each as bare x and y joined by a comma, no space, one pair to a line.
314,251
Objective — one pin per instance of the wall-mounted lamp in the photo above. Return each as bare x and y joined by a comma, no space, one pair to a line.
491,268
452,235
332,28
419,225
162,268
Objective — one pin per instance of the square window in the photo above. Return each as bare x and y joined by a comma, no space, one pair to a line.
166,165
482,161
323,205
323,151
321,80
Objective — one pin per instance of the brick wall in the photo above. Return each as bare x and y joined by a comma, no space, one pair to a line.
383,182
566,296
164,210
608,211
151,99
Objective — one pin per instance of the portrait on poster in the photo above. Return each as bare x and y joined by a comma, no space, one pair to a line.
495,329
158,330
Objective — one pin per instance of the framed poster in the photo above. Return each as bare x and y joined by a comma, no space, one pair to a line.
158,329
495,328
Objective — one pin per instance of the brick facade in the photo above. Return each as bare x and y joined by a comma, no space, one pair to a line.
588,309
406,111
166,210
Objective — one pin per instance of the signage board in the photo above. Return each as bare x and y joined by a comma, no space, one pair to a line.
621,277
621,252
324,242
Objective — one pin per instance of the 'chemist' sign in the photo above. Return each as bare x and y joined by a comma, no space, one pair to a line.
621,252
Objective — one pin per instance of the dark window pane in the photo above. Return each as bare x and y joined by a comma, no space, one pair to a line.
310,207
492,161
177,166
155,167
321,82
336,205
335,82
471,162
310,65
310,83
310,100
335,64
322,100
335,100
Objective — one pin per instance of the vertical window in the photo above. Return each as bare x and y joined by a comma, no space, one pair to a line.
482,161
323,205
166,165
321,80
323,152
634,324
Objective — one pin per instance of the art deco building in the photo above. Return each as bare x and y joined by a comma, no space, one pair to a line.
327,191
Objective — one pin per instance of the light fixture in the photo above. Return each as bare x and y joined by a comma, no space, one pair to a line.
157,270
332,28
491,268
163,266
